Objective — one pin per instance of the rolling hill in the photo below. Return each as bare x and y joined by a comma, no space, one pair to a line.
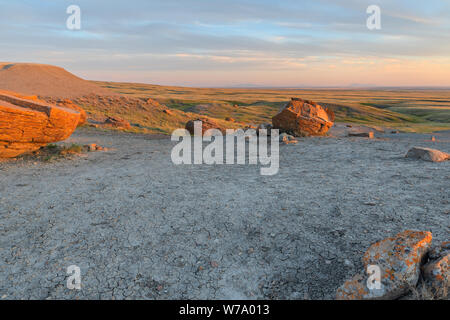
46,81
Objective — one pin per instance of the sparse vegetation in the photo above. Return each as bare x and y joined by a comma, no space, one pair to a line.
406,110
54,151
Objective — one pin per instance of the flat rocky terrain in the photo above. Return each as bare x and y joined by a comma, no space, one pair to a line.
140,227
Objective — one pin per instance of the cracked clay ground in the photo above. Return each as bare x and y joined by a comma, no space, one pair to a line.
140,227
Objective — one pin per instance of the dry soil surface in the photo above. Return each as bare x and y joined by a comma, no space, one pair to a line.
140,227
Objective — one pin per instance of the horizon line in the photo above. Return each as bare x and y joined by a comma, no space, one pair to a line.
349,87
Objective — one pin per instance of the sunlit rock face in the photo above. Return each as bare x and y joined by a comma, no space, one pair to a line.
303,118
26,124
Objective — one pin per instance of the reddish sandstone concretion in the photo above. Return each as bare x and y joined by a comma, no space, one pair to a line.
70,105
28,124
303,118
66,103
398,258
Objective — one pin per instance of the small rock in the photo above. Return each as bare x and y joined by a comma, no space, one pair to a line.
369,135
287,138
427,154
117,123
92,147
206,124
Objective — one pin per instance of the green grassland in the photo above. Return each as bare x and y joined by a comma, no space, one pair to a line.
406,110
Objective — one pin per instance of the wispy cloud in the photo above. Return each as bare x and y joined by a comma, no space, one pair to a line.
289,42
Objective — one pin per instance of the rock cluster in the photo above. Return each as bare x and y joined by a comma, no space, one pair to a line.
398,263
26,124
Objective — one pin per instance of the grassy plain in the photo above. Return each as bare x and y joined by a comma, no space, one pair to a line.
409,110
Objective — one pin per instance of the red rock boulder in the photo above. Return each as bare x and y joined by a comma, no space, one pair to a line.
28,124
303,118
70,105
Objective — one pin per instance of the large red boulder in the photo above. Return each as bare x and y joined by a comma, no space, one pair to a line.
28,124
303,118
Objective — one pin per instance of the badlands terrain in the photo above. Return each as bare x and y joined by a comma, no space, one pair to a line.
140,227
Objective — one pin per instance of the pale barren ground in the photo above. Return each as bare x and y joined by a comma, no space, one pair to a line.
141,227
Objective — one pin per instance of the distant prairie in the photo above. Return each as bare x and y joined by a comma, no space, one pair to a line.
410,110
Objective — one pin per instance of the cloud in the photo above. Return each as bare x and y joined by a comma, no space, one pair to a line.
245,36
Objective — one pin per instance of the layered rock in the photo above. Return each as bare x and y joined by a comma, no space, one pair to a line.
303,118
70,105
28,124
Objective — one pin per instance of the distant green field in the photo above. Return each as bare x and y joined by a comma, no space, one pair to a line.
406,110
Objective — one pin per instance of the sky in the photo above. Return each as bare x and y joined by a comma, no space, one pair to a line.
245,43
